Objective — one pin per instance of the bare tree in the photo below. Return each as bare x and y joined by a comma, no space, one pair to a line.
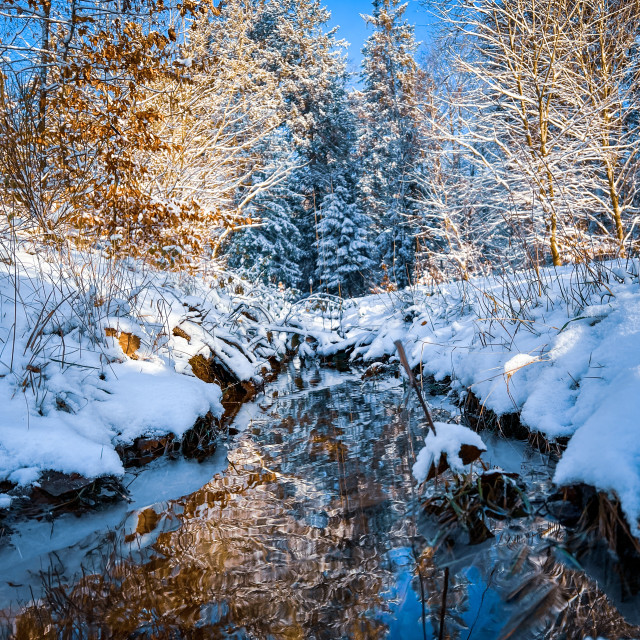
216,115
543,120
606,71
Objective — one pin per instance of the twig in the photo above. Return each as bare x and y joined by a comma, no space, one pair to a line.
443,608
74,364
414,384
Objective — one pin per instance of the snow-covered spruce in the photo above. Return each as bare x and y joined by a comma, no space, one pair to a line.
390,138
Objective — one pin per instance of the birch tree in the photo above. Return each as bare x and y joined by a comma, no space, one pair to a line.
547,111
606,73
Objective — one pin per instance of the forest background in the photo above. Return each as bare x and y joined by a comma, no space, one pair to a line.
193,132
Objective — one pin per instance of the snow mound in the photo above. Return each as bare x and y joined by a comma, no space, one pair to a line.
94,354
518,362
448,439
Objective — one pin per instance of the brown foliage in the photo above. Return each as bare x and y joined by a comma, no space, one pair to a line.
74,137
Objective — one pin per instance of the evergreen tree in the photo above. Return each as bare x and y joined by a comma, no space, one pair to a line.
389,136
272,250
331,178
317,125
306,56
344,245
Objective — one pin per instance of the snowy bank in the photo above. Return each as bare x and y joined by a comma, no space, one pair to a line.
563,352
94,354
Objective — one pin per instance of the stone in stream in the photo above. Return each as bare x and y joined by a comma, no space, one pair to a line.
468,454
56,484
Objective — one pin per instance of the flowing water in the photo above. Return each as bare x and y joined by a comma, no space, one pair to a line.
310,528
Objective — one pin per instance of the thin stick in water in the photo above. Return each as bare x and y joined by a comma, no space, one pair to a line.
413,382
443,608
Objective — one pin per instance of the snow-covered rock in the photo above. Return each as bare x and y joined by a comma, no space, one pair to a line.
448,439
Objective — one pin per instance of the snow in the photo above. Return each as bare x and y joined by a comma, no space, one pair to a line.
68,542
517,362
136,399
567,359
69,395
149,398
448,439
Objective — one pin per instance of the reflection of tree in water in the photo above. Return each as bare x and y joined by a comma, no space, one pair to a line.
518,589
291,542
545,598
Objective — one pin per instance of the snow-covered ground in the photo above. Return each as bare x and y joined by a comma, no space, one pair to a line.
563,352
94,354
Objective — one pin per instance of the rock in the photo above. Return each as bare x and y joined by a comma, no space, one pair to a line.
145,450
468,454
375,370
57,484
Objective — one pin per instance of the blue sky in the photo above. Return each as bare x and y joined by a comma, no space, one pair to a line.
346,14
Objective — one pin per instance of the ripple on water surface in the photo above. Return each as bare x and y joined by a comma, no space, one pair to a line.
313,531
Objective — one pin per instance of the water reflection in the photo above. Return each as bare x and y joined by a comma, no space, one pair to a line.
312,532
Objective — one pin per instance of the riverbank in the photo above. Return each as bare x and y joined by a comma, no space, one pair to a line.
106,365
113,365
310,527
559,350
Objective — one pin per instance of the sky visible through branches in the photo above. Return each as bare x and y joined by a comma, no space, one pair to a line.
346,15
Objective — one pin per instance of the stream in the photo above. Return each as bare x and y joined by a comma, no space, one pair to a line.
307,523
